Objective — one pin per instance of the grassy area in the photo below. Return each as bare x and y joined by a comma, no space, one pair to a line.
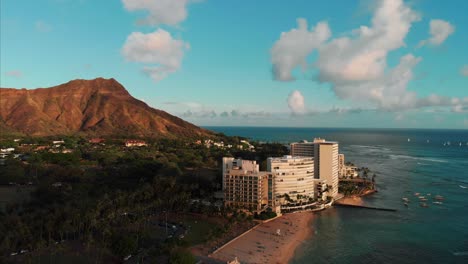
14,194
198,230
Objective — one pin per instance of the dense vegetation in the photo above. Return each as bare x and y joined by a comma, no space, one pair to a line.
105,196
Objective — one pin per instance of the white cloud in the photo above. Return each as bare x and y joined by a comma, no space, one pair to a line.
42,26
356,64
296,102
464,70
159,49
169,12
291,50
439,30
17,74
363,56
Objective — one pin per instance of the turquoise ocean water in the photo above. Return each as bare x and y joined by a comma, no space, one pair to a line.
406,161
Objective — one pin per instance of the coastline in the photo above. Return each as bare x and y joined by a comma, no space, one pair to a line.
262,245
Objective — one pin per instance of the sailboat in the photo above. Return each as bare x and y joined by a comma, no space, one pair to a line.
409,140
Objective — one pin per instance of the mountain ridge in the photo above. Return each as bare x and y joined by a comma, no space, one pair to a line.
95,107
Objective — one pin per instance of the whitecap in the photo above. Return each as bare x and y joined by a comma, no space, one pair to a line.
394,156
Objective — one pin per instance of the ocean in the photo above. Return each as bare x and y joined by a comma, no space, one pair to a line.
406,161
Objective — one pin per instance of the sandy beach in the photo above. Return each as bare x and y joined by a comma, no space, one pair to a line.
263,245
352,200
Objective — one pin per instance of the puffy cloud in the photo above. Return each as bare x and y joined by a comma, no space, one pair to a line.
439,30
363,56
464,70
169,12
291,50
17,74
356,64
199,114
296,102
42,26
459,108
159,49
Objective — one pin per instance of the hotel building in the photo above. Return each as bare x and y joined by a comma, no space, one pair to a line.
325,154
245,186
341,166
293,179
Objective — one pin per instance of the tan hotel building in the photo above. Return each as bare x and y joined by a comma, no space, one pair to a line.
245,186
325,154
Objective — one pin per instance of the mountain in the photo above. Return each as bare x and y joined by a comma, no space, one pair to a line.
93,107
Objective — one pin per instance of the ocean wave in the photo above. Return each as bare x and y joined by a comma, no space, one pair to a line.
394,156
372,148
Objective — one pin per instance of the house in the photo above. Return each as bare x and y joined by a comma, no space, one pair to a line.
135,143
96,140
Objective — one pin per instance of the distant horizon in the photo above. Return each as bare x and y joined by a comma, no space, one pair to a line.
390,128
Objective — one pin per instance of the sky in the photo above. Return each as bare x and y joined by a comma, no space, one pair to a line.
333,63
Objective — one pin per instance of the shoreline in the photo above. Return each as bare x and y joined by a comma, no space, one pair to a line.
262,244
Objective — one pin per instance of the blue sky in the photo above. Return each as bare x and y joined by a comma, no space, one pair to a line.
386,63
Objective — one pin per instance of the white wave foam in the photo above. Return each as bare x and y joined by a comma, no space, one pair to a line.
392,156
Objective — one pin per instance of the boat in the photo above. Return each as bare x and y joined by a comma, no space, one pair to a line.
409,140
463,187
406,200
437,202
423,199
423,205
416,194
428,194
439,198
406,204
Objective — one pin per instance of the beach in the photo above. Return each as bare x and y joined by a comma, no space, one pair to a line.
352,200
262,244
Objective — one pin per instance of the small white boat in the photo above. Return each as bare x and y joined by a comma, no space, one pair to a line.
409,140
463,187
437,202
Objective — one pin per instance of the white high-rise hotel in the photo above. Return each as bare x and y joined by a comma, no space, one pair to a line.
325,155
294,178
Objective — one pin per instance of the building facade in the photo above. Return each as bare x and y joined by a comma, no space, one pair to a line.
341,166
245,186
293,179
326,159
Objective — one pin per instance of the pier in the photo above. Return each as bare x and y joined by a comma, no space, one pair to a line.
366,207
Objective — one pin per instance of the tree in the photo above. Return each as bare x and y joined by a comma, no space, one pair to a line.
124,244
181,256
